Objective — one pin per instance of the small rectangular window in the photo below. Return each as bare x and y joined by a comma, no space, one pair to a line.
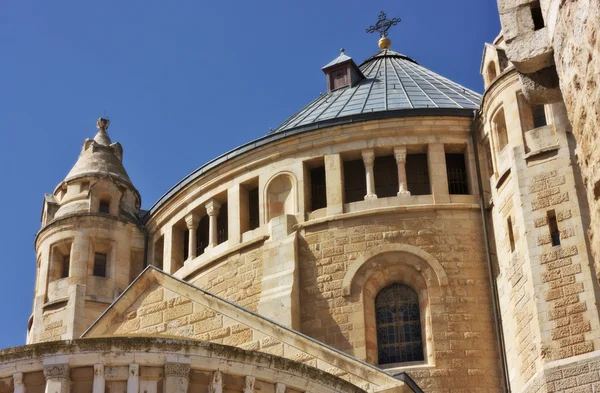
417,174
253,208
318,190
386,176
511,237
539,116
65,266
104,207
355,182
537,16
553,226
457,174
100,264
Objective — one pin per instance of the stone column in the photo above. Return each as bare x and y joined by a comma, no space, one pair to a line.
438,176
177,377
369,159
212,209
57,378
249,384
280,387
191,221
99,383
400,154
334,184
216,384
19,387
133,380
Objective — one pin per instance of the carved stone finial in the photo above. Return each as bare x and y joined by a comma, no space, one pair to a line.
102,124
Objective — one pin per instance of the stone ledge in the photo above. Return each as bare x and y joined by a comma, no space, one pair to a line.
389,210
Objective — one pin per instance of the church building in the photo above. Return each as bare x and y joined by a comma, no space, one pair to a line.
400,233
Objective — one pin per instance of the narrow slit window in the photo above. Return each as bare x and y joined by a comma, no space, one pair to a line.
553,226
539,116
222,224
537,16
202,235
456,171
355,183
511,236
100,260
318,190
500,127
417,174
65,266
253,208
386,176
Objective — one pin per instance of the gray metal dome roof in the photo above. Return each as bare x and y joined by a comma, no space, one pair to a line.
393,82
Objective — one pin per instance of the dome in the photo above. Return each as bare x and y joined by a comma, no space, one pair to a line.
100,157
392,82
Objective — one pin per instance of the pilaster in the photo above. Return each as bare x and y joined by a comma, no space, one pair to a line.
438,176
99,383
334,184
235,216
279,299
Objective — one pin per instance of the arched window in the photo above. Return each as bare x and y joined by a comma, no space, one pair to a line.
398,319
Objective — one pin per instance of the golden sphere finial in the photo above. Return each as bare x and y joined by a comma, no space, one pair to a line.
384,43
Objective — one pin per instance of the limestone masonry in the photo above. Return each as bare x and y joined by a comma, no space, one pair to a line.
400,233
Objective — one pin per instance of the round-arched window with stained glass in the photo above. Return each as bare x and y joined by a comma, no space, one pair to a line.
398,319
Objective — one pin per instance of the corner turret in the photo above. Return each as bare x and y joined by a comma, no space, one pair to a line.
91,244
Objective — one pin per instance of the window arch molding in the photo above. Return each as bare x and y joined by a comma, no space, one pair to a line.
402,264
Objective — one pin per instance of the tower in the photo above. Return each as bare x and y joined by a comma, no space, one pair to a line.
90,246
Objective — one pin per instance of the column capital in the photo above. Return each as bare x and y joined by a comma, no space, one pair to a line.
212,207
99,370
280,387
216,384
56,371
249,384
177,370
400,154
368,156
192,220
17,379
134,370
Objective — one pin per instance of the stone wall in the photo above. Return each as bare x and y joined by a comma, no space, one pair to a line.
463,347
236,278
571,39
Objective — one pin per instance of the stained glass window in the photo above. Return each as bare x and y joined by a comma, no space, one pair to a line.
398,319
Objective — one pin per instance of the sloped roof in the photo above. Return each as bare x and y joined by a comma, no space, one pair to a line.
392,82
134,300
100,156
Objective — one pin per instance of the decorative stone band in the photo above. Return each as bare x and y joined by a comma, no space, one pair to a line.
177,370
56,371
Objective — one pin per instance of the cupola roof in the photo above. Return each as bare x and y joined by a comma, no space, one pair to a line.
100,157
393,82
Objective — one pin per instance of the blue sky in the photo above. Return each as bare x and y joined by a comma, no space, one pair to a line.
182,82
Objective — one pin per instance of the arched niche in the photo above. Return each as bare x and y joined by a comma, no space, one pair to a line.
280,196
